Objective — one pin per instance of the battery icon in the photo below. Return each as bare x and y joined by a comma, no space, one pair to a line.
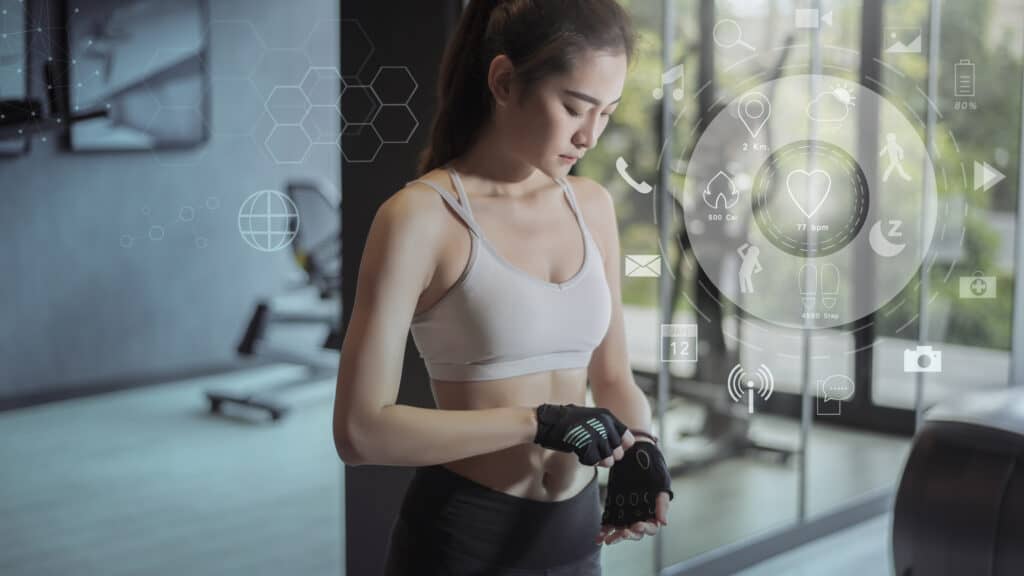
964,72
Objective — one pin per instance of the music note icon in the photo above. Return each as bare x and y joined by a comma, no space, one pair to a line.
668,77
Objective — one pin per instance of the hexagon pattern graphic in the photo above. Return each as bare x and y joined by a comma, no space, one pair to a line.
307,102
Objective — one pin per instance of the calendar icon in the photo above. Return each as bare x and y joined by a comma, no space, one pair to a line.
678,342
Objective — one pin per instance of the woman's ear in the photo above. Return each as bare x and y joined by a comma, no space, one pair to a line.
501,80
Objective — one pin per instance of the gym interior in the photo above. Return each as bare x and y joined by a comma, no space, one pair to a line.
168,365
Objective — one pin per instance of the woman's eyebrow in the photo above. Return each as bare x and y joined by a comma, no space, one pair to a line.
588,98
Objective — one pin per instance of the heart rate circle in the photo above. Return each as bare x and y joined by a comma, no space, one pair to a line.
801,229
810,198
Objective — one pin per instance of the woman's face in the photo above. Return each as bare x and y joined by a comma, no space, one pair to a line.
562,117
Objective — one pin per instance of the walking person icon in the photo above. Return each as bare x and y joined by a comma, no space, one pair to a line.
895,152
749,266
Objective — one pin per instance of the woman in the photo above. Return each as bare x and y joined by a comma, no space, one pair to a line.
509,322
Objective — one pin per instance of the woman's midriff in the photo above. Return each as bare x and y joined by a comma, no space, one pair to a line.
527,470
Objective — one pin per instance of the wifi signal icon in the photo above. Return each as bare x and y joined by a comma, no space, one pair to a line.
743,385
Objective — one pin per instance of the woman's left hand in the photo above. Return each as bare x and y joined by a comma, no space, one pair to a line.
614,534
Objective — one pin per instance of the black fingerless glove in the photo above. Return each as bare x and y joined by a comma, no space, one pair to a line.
634,484
592,433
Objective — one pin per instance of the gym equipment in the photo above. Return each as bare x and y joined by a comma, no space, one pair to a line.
27,117
317,251
960,504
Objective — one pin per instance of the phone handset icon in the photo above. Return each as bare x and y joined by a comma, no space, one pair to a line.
621,166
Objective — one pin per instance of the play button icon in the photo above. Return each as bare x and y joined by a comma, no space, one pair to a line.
985,176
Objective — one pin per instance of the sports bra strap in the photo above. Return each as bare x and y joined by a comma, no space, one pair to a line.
462,191
572,199
462,210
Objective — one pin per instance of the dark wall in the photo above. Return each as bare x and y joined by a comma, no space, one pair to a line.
413,36
78,310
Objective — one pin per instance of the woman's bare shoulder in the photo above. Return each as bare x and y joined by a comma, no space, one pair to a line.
587,189
418,204
594,199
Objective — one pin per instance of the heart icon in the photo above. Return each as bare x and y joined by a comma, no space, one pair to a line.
812,186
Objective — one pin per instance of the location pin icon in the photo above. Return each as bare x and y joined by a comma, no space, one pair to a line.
754,109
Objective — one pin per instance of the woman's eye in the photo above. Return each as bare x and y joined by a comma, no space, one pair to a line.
571,111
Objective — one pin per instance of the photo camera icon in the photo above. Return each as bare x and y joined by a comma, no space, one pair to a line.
922,359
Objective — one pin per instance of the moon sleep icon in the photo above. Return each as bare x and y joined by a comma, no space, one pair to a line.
881,244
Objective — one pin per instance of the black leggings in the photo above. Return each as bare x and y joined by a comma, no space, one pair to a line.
450,525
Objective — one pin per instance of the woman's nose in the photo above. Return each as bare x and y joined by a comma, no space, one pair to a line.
585,137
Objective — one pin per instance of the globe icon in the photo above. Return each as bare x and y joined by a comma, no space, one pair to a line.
268,220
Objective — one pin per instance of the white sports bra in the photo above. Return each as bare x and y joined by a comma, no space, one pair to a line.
497,321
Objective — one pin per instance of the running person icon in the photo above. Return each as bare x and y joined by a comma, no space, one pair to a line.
895,152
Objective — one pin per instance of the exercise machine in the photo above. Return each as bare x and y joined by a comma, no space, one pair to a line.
960,504
316,249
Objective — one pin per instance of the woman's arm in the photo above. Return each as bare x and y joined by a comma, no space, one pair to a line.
611,377
369,428
408,436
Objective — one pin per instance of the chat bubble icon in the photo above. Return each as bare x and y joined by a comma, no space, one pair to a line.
837,387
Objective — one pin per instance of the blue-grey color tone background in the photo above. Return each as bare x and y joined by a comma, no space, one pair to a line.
77,308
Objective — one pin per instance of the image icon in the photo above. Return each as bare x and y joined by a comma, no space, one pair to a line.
902,40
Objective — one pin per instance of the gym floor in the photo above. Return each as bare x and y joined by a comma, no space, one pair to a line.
146,482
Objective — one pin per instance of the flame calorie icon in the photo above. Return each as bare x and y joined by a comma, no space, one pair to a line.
720,192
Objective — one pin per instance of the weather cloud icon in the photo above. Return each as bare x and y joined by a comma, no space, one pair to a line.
831,106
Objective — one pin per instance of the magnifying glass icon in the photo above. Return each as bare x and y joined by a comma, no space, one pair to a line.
727,33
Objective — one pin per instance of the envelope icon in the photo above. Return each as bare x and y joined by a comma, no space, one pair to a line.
643,265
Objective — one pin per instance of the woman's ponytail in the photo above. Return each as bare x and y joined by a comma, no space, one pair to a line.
462,96
540,37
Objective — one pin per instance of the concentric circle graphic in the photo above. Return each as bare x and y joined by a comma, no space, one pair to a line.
836,184
786,217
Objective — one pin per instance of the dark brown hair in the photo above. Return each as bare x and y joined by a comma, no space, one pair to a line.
540,37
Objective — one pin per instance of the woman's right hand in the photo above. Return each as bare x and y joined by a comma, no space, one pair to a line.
595,435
